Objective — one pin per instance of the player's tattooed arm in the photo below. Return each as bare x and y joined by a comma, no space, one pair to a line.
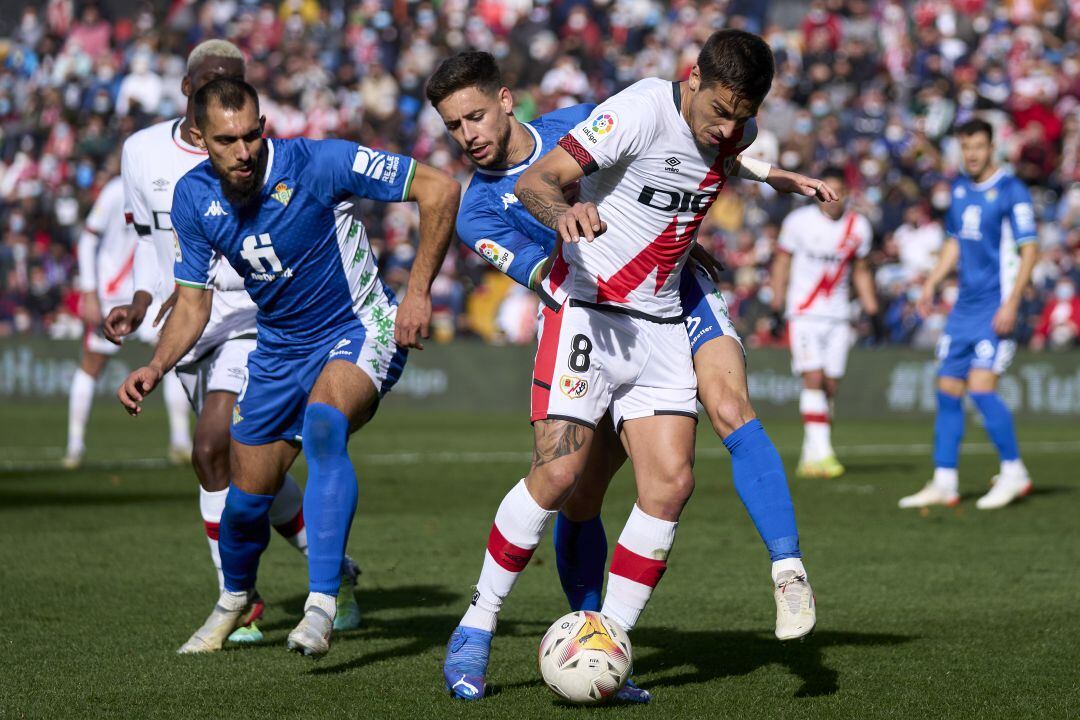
540,190
556,439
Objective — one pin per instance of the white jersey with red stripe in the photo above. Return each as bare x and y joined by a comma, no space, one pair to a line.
153,161
822,253
652,184
105,264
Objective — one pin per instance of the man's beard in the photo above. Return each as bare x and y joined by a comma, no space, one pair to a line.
242,194
499,150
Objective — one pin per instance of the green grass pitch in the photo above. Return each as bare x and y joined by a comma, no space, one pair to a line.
951,613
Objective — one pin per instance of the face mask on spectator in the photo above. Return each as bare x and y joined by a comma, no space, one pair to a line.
84,175
17,223
789,160
1064,292
913,294
894,133
803,126
949,294
940,200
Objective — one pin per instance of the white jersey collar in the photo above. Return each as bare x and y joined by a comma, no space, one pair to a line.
181,143
269,161
989,182
538,149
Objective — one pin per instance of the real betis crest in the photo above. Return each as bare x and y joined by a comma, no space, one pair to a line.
282,193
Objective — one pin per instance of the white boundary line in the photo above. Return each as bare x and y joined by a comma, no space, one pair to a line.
1048,447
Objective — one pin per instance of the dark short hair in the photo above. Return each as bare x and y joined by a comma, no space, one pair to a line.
833,171
472,68
740,61
229,93
975,126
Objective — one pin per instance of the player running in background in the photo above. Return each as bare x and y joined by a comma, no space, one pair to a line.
992,243
214,370
607,337
332,339
821,252
106,254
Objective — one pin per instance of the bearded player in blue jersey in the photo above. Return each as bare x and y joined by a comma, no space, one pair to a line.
477,110
992,243
331,337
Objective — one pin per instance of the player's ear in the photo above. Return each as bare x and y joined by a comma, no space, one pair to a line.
185,86
506,100
694,81
262,124
197,137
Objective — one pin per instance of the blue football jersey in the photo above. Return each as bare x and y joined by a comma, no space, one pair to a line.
495,224
990,220
303,255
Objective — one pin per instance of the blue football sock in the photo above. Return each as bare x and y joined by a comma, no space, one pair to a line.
245,533
330,495
948,430
580,555
762,486
999,424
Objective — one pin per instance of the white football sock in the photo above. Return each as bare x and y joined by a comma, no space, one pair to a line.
326,603
79,402
814,407
947,480
176,403
1014,469
234,600
287,514
780,566
638,563
211,506
519,524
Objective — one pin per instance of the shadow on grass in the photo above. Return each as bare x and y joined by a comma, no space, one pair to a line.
712,655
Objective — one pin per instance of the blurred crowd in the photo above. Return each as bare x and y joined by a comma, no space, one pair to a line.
872,85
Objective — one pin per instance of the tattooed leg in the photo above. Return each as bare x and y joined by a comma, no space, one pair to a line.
559,454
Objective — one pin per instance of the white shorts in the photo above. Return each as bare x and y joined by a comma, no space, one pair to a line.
820,344
591,360
222,369
94,339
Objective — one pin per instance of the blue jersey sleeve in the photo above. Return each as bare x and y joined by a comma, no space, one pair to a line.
193,248
568,117
344,168
1021,213
509,251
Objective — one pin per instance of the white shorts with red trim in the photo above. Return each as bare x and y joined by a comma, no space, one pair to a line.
221,369
94,340
820,344
591,360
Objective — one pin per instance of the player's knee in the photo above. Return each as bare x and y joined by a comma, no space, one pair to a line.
211,460
814,380
730,412
669,494
586,499
325,431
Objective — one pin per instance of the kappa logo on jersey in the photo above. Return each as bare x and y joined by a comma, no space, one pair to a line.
376,165
495,253
508,199
282,193
215,209
259,251
573,387
600,127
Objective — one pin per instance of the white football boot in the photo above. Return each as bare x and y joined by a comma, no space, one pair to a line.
1006,489
229,612
796,608
930,495
312,636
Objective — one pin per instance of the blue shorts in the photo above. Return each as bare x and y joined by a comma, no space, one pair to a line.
704,310
271,406
971,344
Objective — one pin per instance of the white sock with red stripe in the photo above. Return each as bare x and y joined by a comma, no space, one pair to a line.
638,563
211,505
82,397
516,532
176,403
287,514
817,432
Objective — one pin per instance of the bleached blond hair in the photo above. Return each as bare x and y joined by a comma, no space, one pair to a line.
212,49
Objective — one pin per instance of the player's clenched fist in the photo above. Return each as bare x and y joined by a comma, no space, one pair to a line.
580,221
136,387
123,320
413,320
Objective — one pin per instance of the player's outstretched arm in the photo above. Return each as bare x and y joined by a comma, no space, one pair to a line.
1005,318
789,182
540,190
950,253
437,195
182,329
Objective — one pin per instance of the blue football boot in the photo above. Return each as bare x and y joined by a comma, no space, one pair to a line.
631,693
466,662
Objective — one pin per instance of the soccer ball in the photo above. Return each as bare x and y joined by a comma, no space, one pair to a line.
585,657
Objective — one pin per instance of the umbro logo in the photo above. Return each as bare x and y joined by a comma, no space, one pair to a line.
160,184
215,209
672,164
